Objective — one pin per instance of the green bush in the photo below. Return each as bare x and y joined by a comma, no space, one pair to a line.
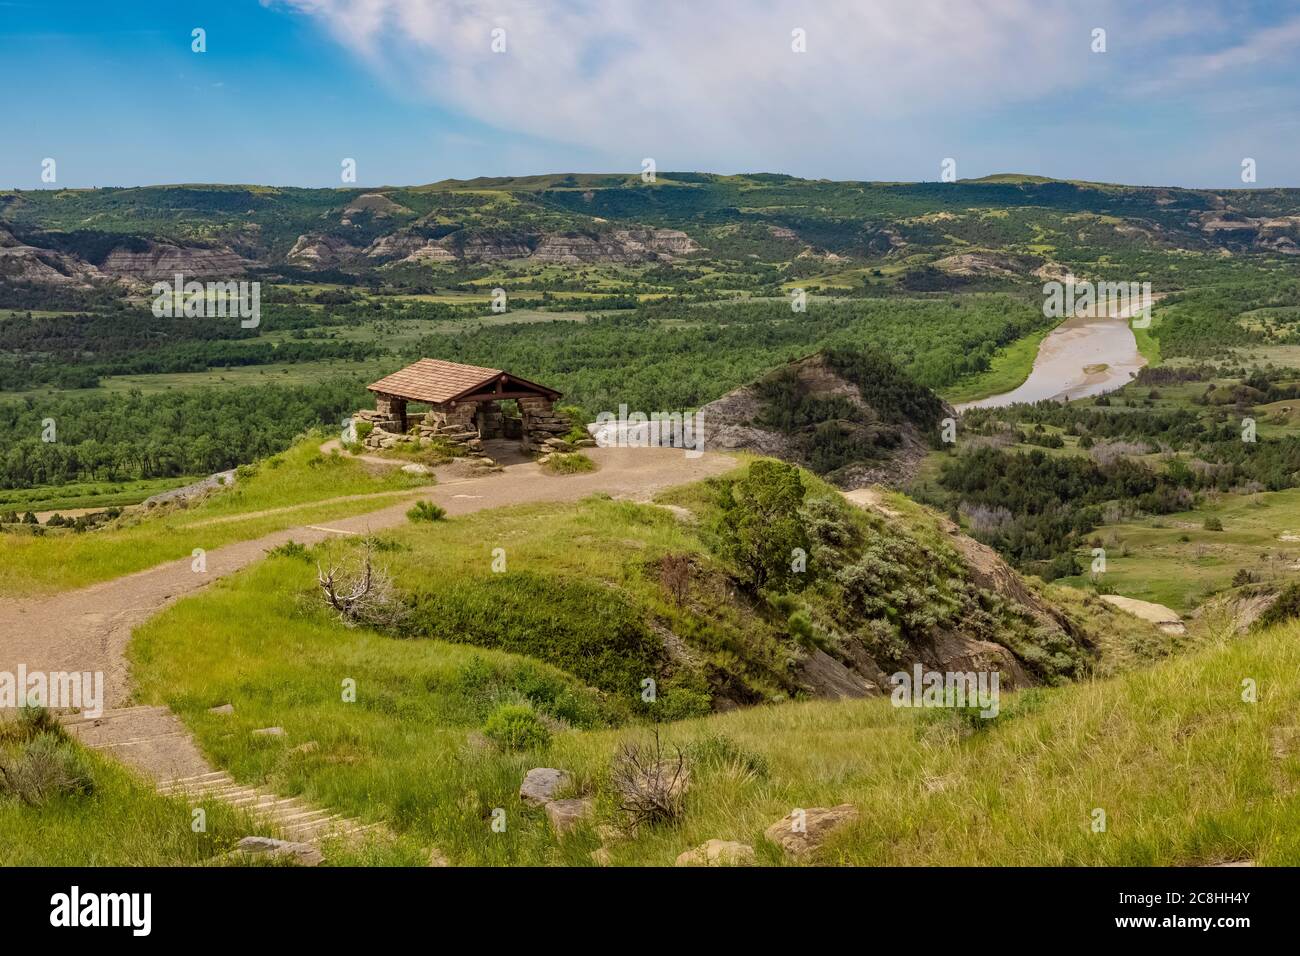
426,511
761,527
38,762
363,429
576,625
1285,608
516,727
292,549
569,464
1212,524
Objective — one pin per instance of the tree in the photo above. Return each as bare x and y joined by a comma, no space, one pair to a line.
761,528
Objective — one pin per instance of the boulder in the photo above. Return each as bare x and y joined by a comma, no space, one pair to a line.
269,732
222,709
303,854
541,784
802,832
566,815
718,853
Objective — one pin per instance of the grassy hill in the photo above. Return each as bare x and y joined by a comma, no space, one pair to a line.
1186,771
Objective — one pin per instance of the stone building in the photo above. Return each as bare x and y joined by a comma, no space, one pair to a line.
464,408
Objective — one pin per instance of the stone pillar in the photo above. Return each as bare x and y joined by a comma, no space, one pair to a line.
390,408
542,428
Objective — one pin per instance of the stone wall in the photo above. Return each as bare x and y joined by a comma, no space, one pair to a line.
543,429
540,430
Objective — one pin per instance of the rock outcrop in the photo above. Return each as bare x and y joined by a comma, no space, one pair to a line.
317,251
541,784
152,260
718,853
735,422
803,832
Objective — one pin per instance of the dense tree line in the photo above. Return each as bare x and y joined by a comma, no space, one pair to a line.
1037,508
134,435
677,356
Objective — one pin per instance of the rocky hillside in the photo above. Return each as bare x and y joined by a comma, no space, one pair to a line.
887,585
943,235
852,417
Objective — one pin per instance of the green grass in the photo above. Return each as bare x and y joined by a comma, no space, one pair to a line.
1148,344
122,821
100,494
1149,560
573,463
1007,371
1186,772
300,486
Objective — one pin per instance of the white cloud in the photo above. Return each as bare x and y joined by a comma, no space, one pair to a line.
718,74
885,83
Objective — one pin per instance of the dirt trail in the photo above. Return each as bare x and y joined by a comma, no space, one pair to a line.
1167,619
89,629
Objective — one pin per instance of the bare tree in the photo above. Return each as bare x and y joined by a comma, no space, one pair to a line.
651,786
362,593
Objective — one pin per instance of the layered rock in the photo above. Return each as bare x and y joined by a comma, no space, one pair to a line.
316,250
543,427
163,260
21,262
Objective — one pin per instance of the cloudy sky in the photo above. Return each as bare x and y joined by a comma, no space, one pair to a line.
421,90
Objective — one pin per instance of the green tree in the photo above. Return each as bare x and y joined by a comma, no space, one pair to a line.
761,528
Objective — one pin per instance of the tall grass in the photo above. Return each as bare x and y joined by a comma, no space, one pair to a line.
94,812
1185,770
296,487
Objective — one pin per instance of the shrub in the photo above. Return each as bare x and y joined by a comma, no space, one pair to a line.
516,727
1212,524
572,463
426,511
1285,608
651,785
291,549
682,702
363,429
45,766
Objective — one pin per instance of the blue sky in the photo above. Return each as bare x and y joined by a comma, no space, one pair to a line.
414,92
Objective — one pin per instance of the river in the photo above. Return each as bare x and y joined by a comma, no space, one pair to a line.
1082,356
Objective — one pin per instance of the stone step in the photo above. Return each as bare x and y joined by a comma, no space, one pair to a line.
167,785
79,717
153,739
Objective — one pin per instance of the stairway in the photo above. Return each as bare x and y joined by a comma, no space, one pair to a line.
153,741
